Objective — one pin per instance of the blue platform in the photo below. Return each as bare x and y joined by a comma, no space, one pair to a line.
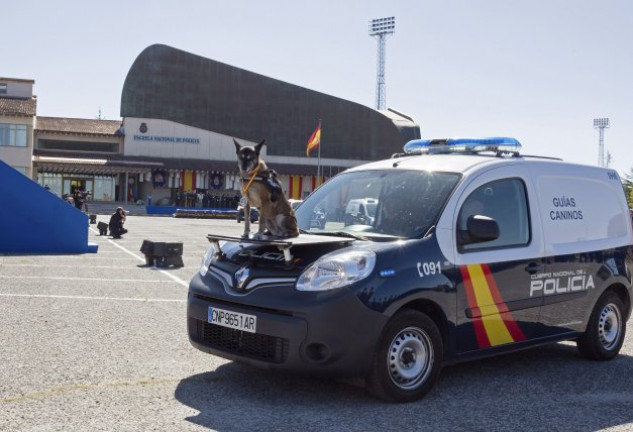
35,221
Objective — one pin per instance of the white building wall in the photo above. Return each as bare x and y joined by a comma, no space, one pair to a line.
167,139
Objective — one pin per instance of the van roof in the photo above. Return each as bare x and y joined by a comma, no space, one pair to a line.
434,162
464,163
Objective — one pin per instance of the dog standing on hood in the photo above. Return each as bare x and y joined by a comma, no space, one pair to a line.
261,189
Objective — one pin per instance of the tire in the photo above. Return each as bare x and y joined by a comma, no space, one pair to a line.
606,329
408,358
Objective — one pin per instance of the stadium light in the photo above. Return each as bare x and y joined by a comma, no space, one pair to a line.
601,124
381,28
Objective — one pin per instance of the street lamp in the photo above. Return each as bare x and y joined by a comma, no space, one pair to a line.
601,124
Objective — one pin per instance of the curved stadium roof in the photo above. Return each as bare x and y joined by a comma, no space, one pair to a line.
170,84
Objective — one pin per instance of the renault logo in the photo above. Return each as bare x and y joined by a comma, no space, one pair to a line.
241,276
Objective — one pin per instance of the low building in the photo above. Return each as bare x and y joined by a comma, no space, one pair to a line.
18,107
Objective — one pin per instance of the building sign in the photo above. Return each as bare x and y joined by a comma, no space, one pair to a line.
143,129
156,138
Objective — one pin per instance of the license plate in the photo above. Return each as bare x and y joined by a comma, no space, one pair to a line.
234,320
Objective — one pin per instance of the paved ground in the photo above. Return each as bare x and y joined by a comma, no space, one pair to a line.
98,342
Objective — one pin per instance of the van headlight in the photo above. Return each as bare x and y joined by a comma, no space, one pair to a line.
206,261
337,270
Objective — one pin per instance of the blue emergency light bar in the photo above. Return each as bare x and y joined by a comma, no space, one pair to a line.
463,145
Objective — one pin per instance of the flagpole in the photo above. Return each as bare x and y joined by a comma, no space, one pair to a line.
319,163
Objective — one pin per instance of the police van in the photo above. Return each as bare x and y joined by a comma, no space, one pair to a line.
474,250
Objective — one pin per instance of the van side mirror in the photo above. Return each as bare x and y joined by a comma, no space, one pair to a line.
480,229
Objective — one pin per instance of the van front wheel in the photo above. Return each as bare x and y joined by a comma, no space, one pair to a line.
408,358
606,329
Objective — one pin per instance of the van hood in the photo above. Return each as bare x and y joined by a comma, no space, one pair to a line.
244,264
293,252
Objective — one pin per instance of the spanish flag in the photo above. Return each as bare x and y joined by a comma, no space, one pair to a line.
315,140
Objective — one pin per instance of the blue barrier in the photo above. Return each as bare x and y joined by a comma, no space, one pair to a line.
35,221
160,210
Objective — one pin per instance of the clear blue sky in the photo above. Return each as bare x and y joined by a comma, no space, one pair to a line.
538,70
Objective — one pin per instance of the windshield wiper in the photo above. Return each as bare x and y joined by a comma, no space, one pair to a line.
341,234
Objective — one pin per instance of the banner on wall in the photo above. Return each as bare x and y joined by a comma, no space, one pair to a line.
188,180
295,187
217,181
159,178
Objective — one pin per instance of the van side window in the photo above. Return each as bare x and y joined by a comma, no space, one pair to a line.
504,201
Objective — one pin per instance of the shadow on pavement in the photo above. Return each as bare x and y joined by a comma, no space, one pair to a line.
546,388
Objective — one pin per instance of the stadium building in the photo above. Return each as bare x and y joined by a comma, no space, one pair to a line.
180,113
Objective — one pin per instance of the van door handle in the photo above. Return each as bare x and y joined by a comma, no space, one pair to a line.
533,267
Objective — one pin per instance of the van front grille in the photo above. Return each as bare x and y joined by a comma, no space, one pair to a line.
253,345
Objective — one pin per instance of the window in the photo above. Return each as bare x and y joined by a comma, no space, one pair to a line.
3,88
12,135
78,146
505,202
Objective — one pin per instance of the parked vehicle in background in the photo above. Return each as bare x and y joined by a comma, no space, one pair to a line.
294,203
317,220
360,211
240,214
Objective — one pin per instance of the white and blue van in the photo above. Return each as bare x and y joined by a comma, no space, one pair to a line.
473,250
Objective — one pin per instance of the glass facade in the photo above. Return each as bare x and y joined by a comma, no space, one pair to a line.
13,135
101,188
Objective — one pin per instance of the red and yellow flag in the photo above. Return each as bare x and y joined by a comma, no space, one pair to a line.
314,141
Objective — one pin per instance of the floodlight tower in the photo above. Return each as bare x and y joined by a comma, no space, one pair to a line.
601,124
381,27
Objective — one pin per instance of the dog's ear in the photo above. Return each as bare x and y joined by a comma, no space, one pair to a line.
259,146
237,146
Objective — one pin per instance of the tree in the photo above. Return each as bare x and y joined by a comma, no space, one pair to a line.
627,184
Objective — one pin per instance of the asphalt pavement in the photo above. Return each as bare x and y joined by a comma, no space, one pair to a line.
98,342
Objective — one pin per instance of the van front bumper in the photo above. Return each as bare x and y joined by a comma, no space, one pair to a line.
331,333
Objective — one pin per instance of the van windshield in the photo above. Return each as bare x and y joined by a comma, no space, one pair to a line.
398,203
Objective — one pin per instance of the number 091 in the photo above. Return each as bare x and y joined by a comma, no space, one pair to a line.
429,268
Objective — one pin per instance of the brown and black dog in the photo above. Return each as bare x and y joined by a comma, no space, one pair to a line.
262,190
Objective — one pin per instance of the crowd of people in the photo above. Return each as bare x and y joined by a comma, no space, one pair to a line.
192,199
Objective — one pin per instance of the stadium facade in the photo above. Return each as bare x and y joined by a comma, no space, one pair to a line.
180,113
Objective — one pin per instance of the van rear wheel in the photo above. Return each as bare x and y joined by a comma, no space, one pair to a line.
408,358
606,329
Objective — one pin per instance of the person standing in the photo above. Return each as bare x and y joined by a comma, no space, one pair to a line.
80,198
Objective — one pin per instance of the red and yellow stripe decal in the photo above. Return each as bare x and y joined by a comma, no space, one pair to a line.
492,320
